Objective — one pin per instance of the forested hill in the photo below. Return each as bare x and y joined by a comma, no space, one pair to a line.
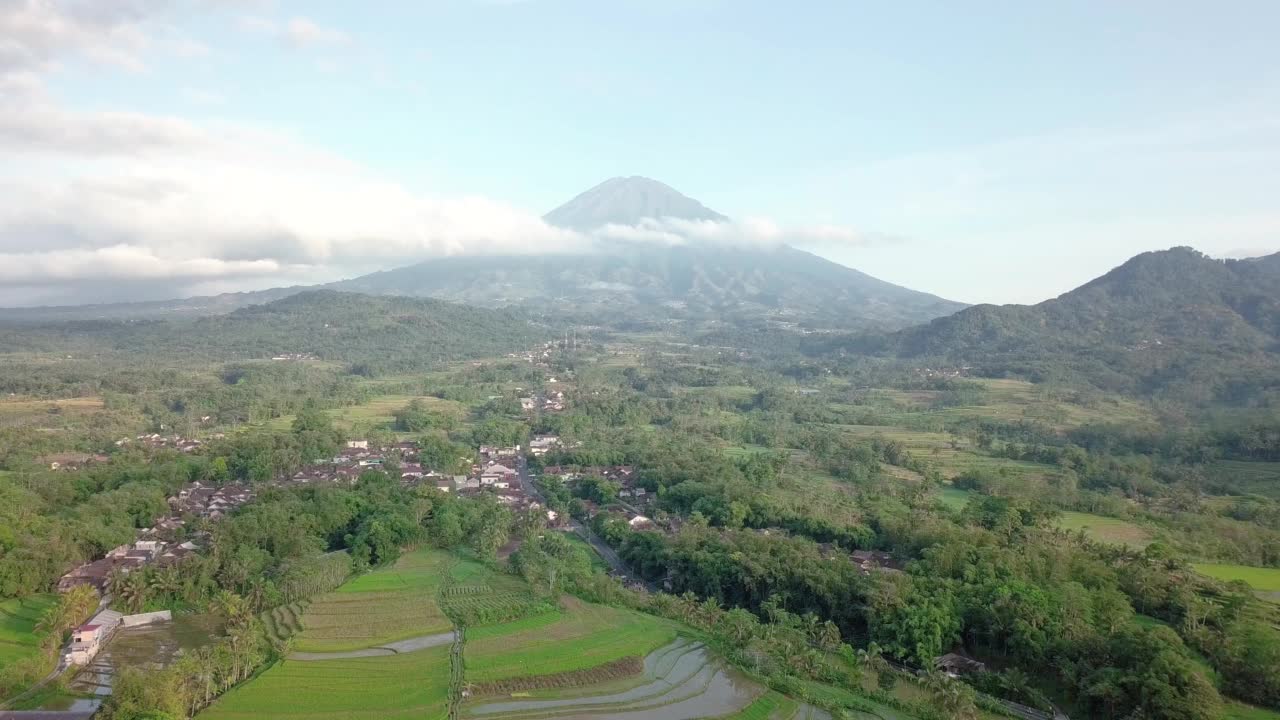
681,281
1169,321
329,325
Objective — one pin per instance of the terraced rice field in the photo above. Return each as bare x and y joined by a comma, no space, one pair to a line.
18,620
283,622
397,687
382,607
679,681
1106,529
579,637
475,594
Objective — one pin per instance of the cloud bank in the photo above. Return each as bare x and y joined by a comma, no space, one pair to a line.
118,205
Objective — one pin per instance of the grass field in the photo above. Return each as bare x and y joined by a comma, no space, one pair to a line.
412,685
18,619
1010,400
28,406
596,561
1106,529
954,498
1239,711
769,706
378,412
1261,478
383,606
935,448
1261,579
578,637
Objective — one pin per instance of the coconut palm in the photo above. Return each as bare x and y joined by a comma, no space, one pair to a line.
132,593
951,697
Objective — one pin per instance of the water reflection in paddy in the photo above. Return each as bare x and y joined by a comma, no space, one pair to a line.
146,646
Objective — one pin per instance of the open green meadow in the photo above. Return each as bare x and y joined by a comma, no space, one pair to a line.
18,620
411,685
1013,400
946,453
1260,478
1262,579
954,498
1106,529
383,606
578,637
379,412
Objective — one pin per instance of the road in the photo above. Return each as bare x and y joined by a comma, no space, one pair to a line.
619,567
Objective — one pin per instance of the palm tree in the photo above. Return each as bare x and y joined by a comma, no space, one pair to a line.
116,581
133,592
952,697
165,582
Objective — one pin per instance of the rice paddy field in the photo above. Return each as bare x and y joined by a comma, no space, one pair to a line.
384,606
681,680
1106,529
475,594
410,685
378,413
1011,400
18,620
1266,580
577,637
935,448
1261,478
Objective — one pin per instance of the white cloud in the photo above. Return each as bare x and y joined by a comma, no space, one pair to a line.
36,34
124,195
200,96
303,33
748,232
299,33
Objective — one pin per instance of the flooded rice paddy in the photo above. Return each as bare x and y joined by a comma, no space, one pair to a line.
681,681
146,646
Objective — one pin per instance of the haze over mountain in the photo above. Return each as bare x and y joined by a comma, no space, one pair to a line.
330,325
1163,319
690,277
672,275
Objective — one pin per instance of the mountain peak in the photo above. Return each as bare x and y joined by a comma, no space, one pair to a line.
628,201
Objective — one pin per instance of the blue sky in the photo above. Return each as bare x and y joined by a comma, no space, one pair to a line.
987,152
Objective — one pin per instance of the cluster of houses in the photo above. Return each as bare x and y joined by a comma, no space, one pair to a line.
161,544
548,402
155,441
68,461
358,457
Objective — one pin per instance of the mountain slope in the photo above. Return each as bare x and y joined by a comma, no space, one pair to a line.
333,326
627,201
681,280
690,280
1169,319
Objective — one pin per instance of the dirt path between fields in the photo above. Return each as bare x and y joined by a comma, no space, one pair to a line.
396,648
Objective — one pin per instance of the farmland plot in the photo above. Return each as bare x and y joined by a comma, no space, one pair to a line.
385,606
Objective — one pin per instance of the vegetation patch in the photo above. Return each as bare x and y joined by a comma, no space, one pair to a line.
1106,529
1265,580
397,687
18,620
585,637
384,606
608,672
477,595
